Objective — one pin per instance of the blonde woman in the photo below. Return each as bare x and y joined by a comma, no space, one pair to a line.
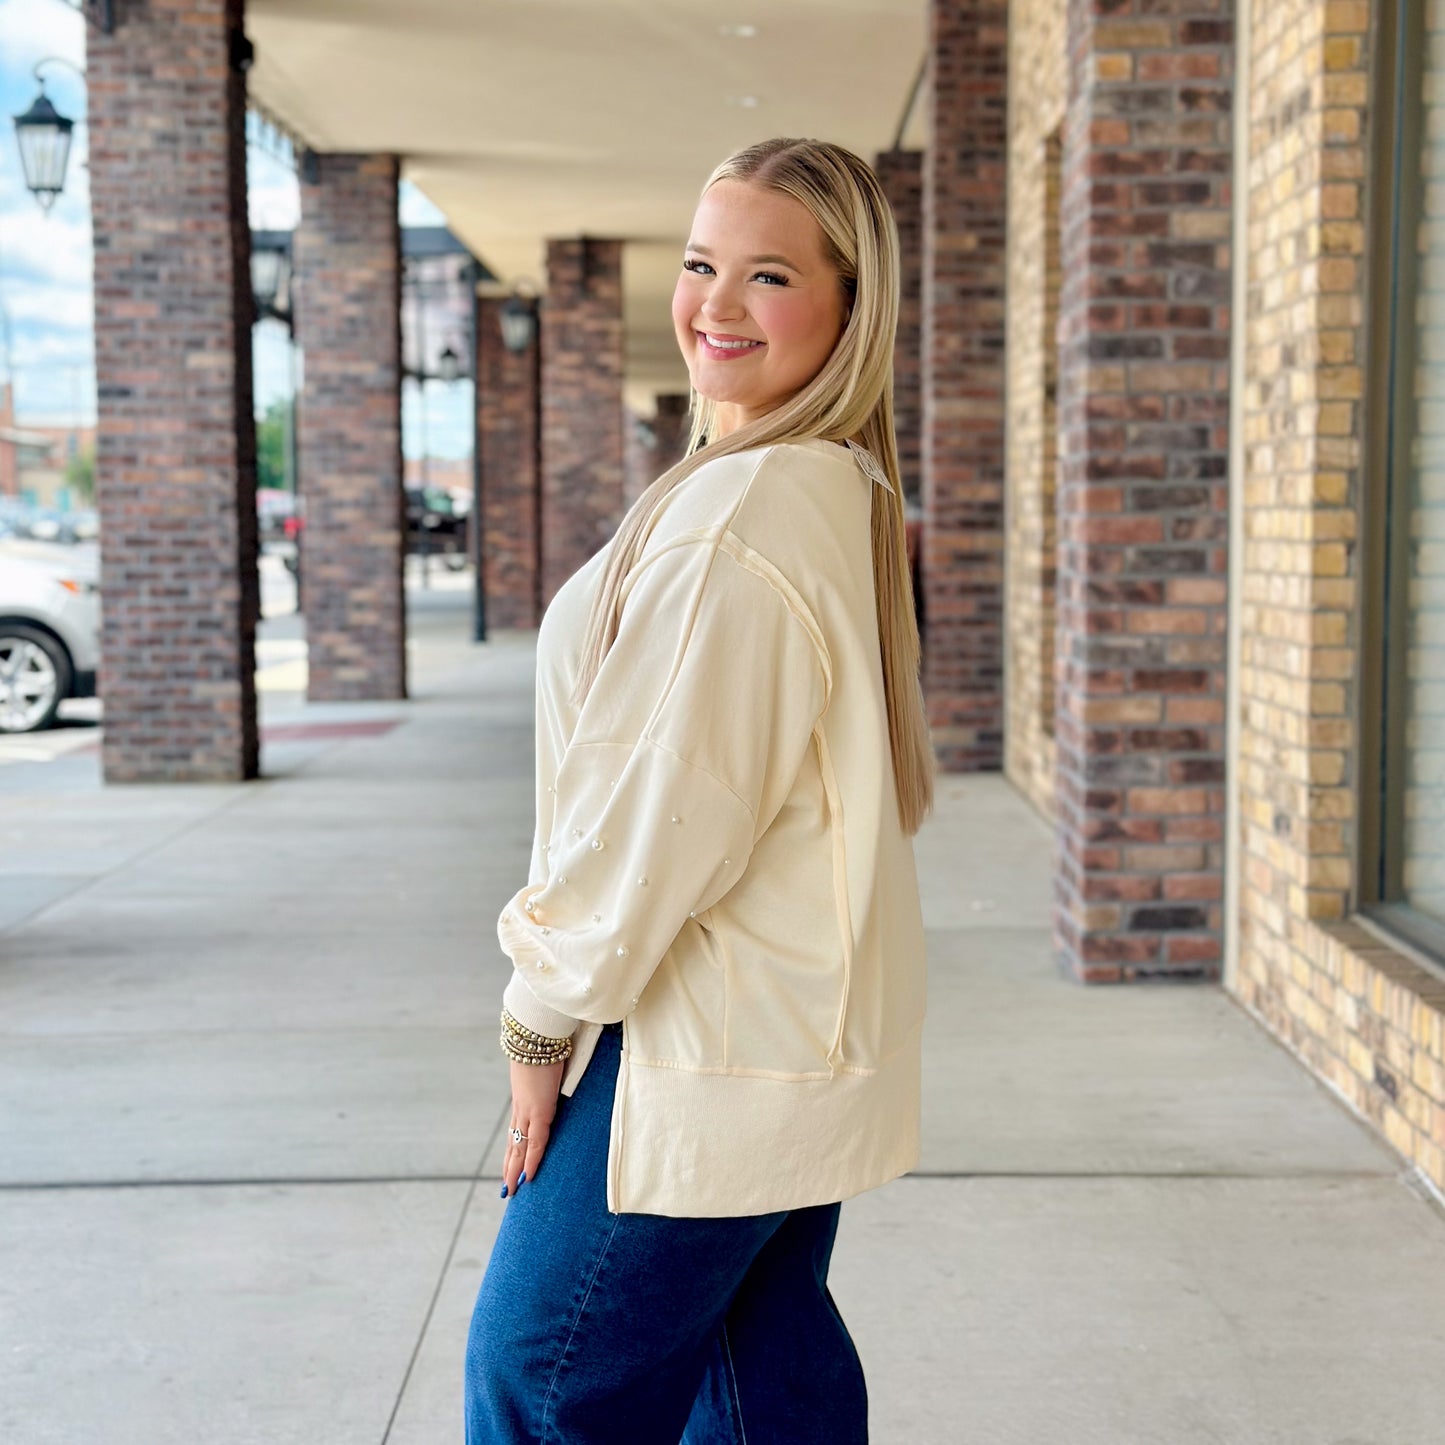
718,984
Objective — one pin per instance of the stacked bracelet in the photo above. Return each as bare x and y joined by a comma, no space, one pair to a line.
523,1046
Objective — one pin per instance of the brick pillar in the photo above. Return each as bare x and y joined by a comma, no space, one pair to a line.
508,435
1143,438
583,471
636,454
176,442
9,451
901,175
669,431
655,444
963,382
348,323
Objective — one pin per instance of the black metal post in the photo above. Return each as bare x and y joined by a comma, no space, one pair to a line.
479,578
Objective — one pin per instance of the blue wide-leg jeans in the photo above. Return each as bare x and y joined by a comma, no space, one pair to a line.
592,1328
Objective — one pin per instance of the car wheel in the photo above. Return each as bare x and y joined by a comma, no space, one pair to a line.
35,675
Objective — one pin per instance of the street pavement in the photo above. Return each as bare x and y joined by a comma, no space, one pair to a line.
251,1106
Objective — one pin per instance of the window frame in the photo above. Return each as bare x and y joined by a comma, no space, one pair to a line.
1389,429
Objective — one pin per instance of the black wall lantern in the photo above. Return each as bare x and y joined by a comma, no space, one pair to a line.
517,317
44,136
271,274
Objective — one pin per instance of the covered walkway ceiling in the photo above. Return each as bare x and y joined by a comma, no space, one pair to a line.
524,119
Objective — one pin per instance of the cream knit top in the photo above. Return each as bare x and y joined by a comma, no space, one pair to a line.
718,860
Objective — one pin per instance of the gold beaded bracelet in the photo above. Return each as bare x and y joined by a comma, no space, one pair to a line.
524,1046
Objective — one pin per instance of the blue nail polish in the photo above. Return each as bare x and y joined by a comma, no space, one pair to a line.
522,1180
504,1191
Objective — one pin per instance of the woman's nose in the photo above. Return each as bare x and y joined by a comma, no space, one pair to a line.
723,303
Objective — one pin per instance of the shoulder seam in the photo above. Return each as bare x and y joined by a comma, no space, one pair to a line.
725,542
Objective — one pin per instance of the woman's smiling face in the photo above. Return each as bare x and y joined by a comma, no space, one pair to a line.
755,275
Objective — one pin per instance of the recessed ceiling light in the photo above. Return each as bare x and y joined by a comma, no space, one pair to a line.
741,32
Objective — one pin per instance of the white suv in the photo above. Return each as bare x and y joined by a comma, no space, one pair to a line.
49,629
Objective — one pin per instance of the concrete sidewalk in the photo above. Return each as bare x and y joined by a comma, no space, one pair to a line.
251,1104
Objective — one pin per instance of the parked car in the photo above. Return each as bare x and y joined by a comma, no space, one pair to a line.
25,520
275,508
49,629
436,525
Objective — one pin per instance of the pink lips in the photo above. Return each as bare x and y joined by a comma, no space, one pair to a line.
728,353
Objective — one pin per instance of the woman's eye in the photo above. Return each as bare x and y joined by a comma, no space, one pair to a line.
701,266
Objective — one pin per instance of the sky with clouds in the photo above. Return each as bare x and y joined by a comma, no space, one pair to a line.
45,259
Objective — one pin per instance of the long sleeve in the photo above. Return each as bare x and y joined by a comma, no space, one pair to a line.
685,748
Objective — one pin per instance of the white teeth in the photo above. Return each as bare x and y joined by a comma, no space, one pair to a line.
729,345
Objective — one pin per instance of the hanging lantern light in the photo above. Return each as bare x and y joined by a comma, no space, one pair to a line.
44,135
271,274
517,317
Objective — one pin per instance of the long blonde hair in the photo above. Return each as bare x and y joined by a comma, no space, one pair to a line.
851,397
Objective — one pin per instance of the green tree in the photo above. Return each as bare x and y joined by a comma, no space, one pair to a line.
80,476
271,445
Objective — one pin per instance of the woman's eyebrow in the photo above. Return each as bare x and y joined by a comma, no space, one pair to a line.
752,260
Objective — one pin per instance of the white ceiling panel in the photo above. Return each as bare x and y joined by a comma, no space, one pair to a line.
524,119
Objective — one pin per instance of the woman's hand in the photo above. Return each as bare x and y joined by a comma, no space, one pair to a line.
534,1105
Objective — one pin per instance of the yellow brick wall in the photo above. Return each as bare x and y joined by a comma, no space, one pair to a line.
1037,96
1358,1013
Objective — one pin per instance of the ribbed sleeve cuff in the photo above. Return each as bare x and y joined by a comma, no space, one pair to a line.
532,1013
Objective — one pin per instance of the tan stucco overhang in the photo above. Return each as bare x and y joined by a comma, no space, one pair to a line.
525,119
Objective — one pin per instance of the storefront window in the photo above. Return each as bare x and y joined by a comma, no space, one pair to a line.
1405,822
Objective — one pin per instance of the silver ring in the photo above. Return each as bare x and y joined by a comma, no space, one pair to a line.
517,1136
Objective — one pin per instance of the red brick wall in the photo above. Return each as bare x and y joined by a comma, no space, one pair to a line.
636,454
9,451
900,173
583,469
175,455
655,443
669,433
963,382
348,322
1143,408
508,436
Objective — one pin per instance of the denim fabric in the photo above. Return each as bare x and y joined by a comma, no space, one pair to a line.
593,1328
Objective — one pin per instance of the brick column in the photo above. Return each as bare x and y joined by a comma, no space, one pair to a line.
657,442
9,451
636,454
1143,438
583,471
669,430
508,435
348,323
176,442
901,175
963,382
